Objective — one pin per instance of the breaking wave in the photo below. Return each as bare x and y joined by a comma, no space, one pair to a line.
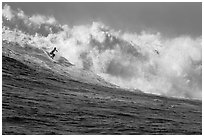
145,61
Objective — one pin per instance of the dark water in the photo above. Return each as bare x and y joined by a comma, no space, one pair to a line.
38,101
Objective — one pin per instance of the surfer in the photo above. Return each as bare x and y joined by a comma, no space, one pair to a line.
52,54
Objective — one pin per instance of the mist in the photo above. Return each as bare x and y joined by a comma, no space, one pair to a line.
145,61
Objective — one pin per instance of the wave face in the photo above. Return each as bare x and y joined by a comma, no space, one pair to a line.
145,61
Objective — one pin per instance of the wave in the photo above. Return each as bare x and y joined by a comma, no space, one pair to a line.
145,61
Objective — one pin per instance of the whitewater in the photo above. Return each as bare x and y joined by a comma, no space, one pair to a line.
146,61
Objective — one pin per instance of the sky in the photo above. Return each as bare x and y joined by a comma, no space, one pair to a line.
170,19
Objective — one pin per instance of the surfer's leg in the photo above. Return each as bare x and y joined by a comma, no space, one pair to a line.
53,55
